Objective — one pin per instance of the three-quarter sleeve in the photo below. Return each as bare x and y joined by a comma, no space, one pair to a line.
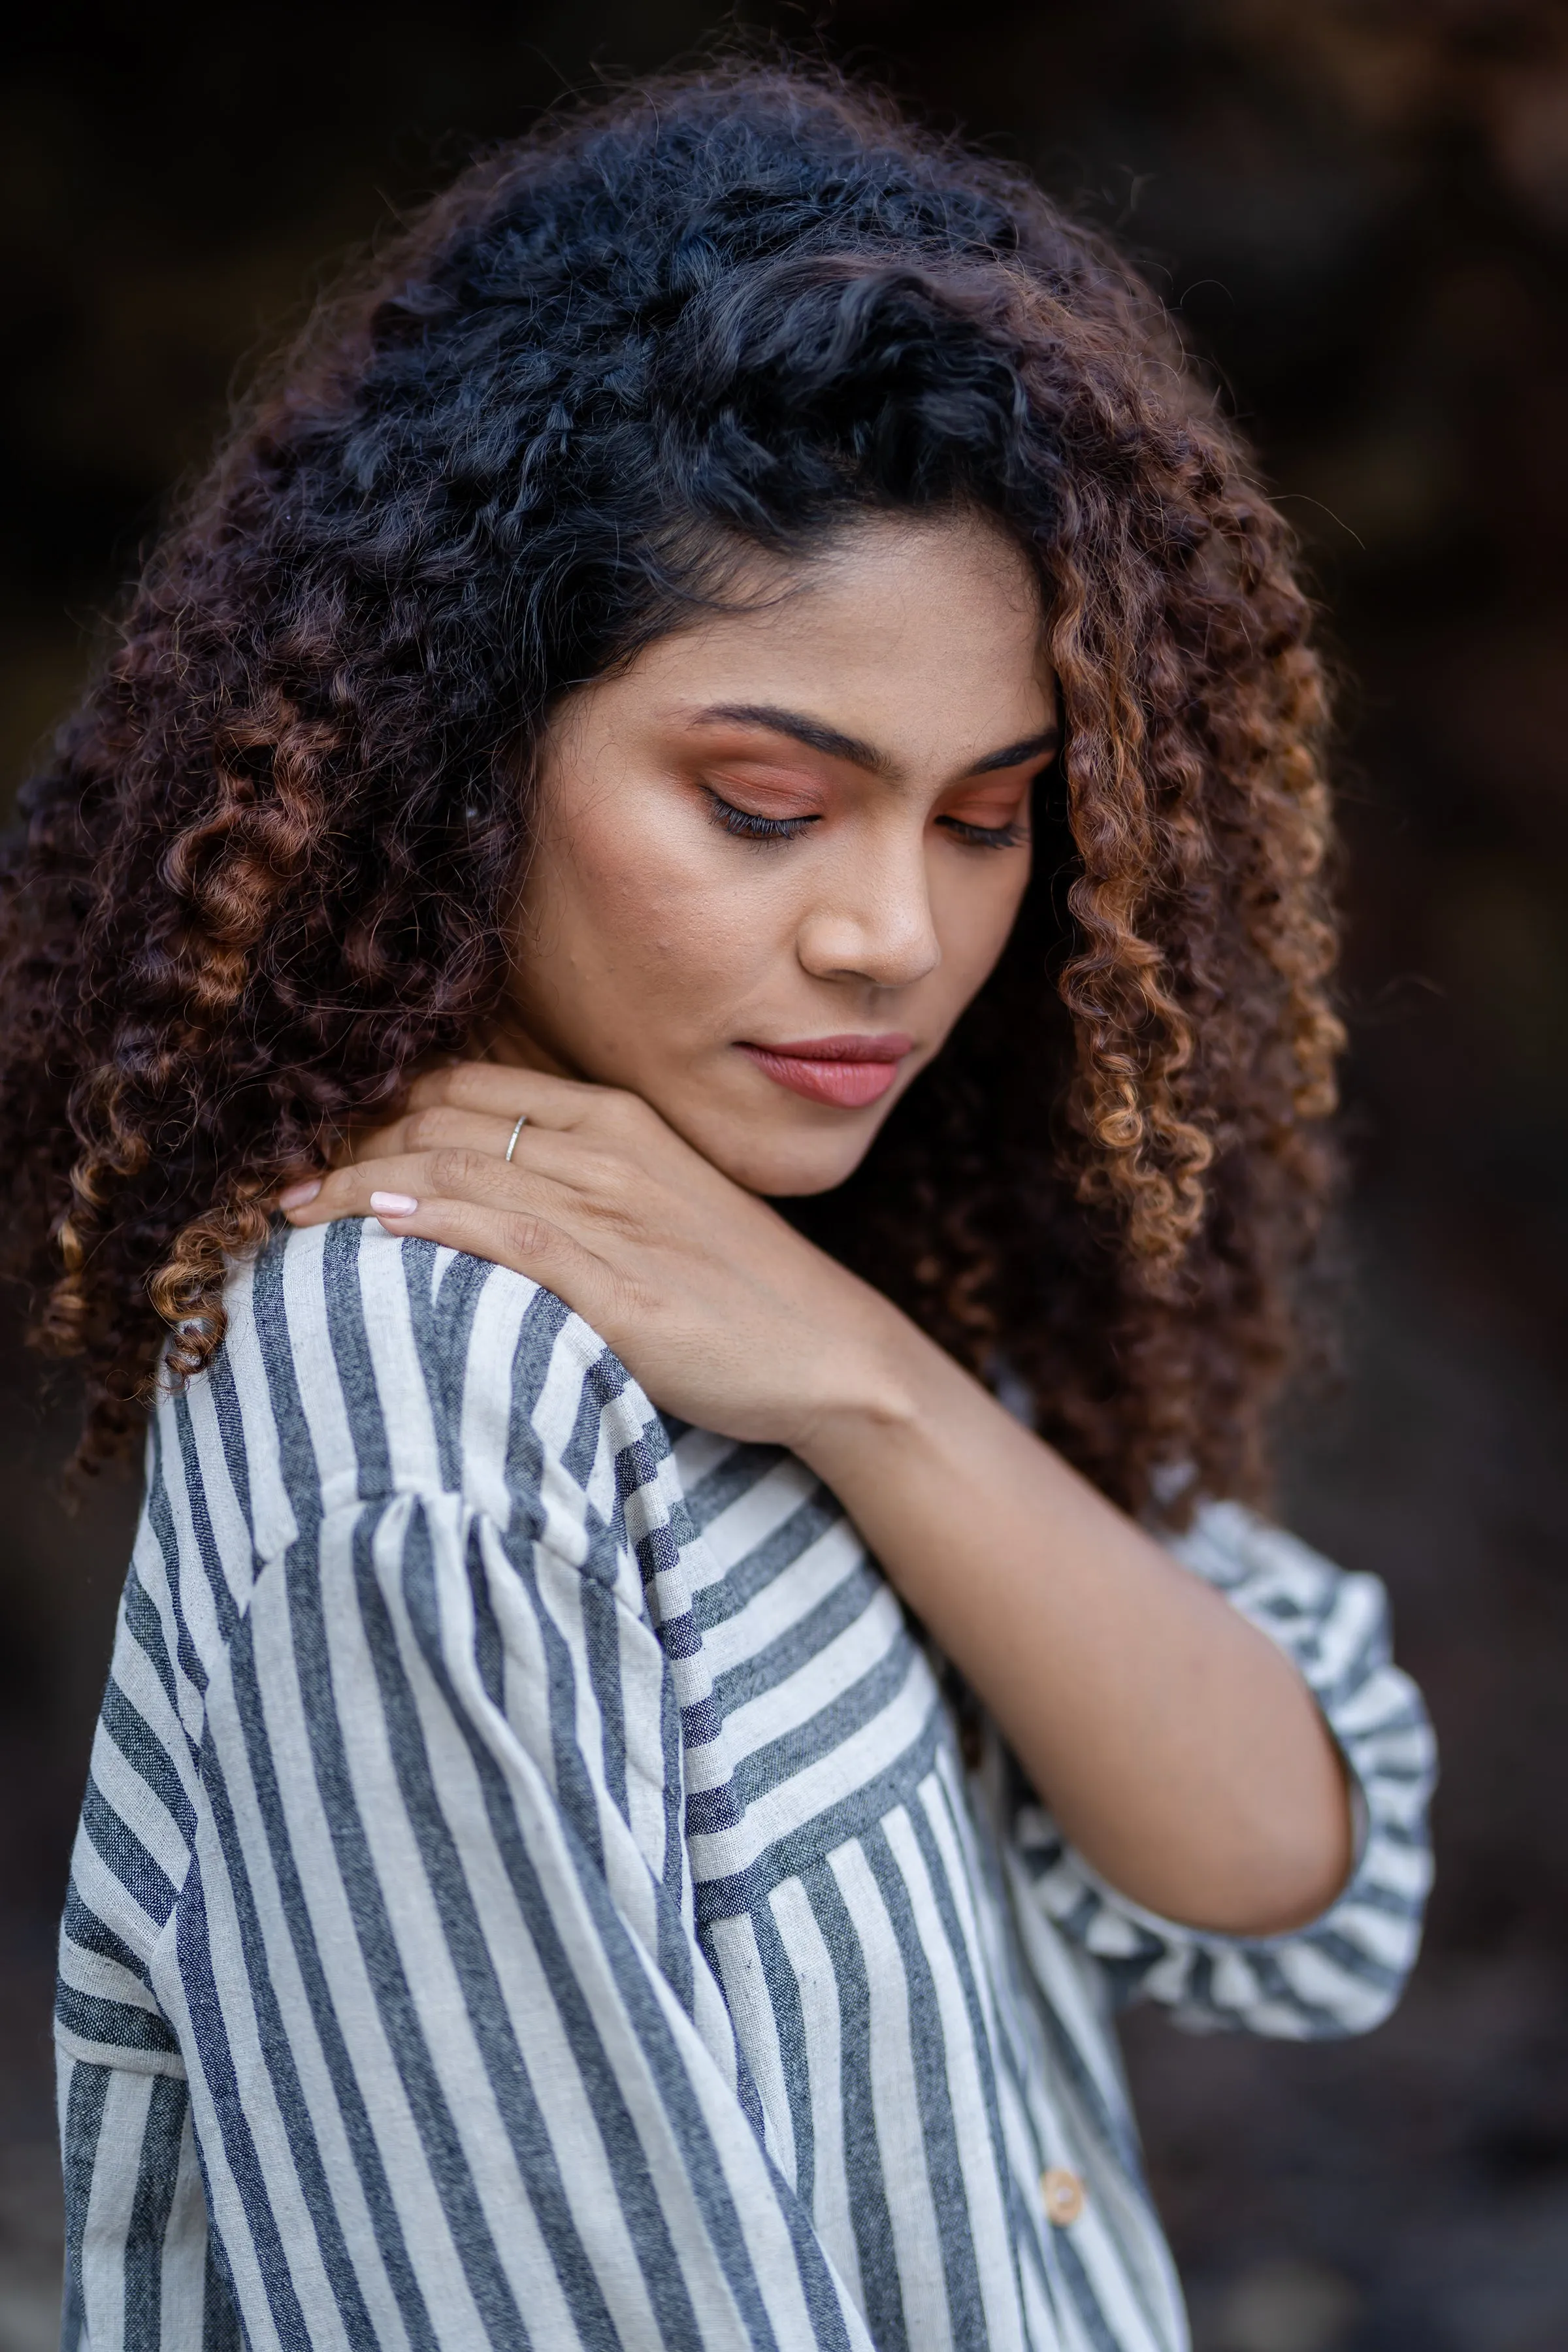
382,2015
1342,1973
459,2073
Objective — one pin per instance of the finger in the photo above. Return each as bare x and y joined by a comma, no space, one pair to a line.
527,1244
428,1127
498,1090
465,1159
586,1165
452,1173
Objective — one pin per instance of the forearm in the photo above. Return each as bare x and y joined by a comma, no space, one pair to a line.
1176,1746
1179,1749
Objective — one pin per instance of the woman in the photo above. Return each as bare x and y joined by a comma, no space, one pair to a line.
677,976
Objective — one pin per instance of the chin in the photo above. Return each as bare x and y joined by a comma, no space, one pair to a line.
791,1167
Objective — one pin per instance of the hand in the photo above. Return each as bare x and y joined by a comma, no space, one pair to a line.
722,1312
1180,1751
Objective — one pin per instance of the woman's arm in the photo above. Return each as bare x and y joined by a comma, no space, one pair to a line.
1179,1749
421,1940
1341,1972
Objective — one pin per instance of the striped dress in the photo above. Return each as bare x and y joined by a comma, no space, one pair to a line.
531,1892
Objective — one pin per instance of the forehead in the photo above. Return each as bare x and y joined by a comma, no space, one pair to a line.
924,636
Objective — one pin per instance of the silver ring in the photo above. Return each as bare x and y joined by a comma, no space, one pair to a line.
517,1130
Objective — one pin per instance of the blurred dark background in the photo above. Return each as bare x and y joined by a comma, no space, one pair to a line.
1357,210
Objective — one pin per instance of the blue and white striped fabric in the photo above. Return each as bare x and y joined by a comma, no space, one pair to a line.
529,1893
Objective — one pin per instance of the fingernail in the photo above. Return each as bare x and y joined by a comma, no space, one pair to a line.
393,1205
297,1195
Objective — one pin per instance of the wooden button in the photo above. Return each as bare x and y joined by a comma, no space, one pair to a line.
1062,2193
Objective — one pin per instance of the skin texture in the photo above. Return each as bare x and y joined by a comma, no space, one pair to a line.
652,937
655,946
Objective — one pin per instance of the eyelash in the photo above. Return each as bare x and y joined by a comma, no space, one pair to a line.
746,826
984,836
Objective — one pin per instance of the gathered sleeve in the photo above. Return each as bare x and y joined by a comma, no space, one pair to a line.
413,2042
1342,1973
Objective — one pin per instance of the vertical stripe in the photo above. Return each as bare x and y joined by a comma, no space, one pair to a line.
882,2295
243,2159
221,2330
157,2179
498,1685
440,2139
927,2204
818,1995
352,1356
256,1733
185,2253
84,2093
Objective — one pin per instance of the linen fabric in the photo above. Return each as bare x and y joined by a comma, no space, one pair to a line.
530,1893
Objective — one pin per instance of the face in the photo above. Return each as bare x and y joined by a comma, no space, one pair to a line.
777,855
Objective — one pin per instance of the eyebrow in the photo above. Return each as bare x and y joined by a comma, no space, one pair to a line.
833,745
1013,755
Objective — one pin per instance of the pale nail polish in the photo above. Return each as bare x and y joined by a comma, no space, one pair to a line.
393,1205
297,1196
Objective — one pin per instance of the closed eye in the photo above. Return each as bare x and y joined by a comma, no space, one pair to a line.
748,826
986,837
997,799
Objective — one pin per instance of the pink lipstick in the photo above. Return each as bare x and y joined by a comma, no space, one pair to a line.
849,1071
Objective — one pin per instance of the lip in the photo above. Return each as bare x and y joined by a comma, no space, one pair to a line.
848,1071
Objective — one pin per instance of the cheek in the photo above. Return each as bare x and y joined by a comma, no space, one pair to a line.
640,904
974,905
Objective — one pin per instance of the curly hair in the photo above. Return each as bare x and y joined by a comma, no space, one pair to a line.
268,871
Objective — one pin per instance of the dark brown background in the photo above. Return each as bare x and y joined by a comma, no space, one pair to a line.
1360,213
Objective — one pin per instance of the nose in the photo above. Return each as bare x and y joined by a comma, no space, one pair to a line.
872,921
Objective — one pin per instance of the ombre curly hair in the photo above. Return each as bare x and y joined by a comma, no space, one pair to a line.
269,873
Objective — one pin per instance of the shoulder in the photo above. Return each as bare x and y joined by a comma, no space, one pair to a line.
357,1366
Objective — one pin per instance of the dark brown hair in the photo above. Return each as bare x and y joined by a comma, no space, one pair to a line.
267,874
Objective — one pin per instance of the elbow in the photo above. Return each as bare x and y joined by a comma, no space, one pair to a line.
1292,1864
1303,1837
1288,1892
